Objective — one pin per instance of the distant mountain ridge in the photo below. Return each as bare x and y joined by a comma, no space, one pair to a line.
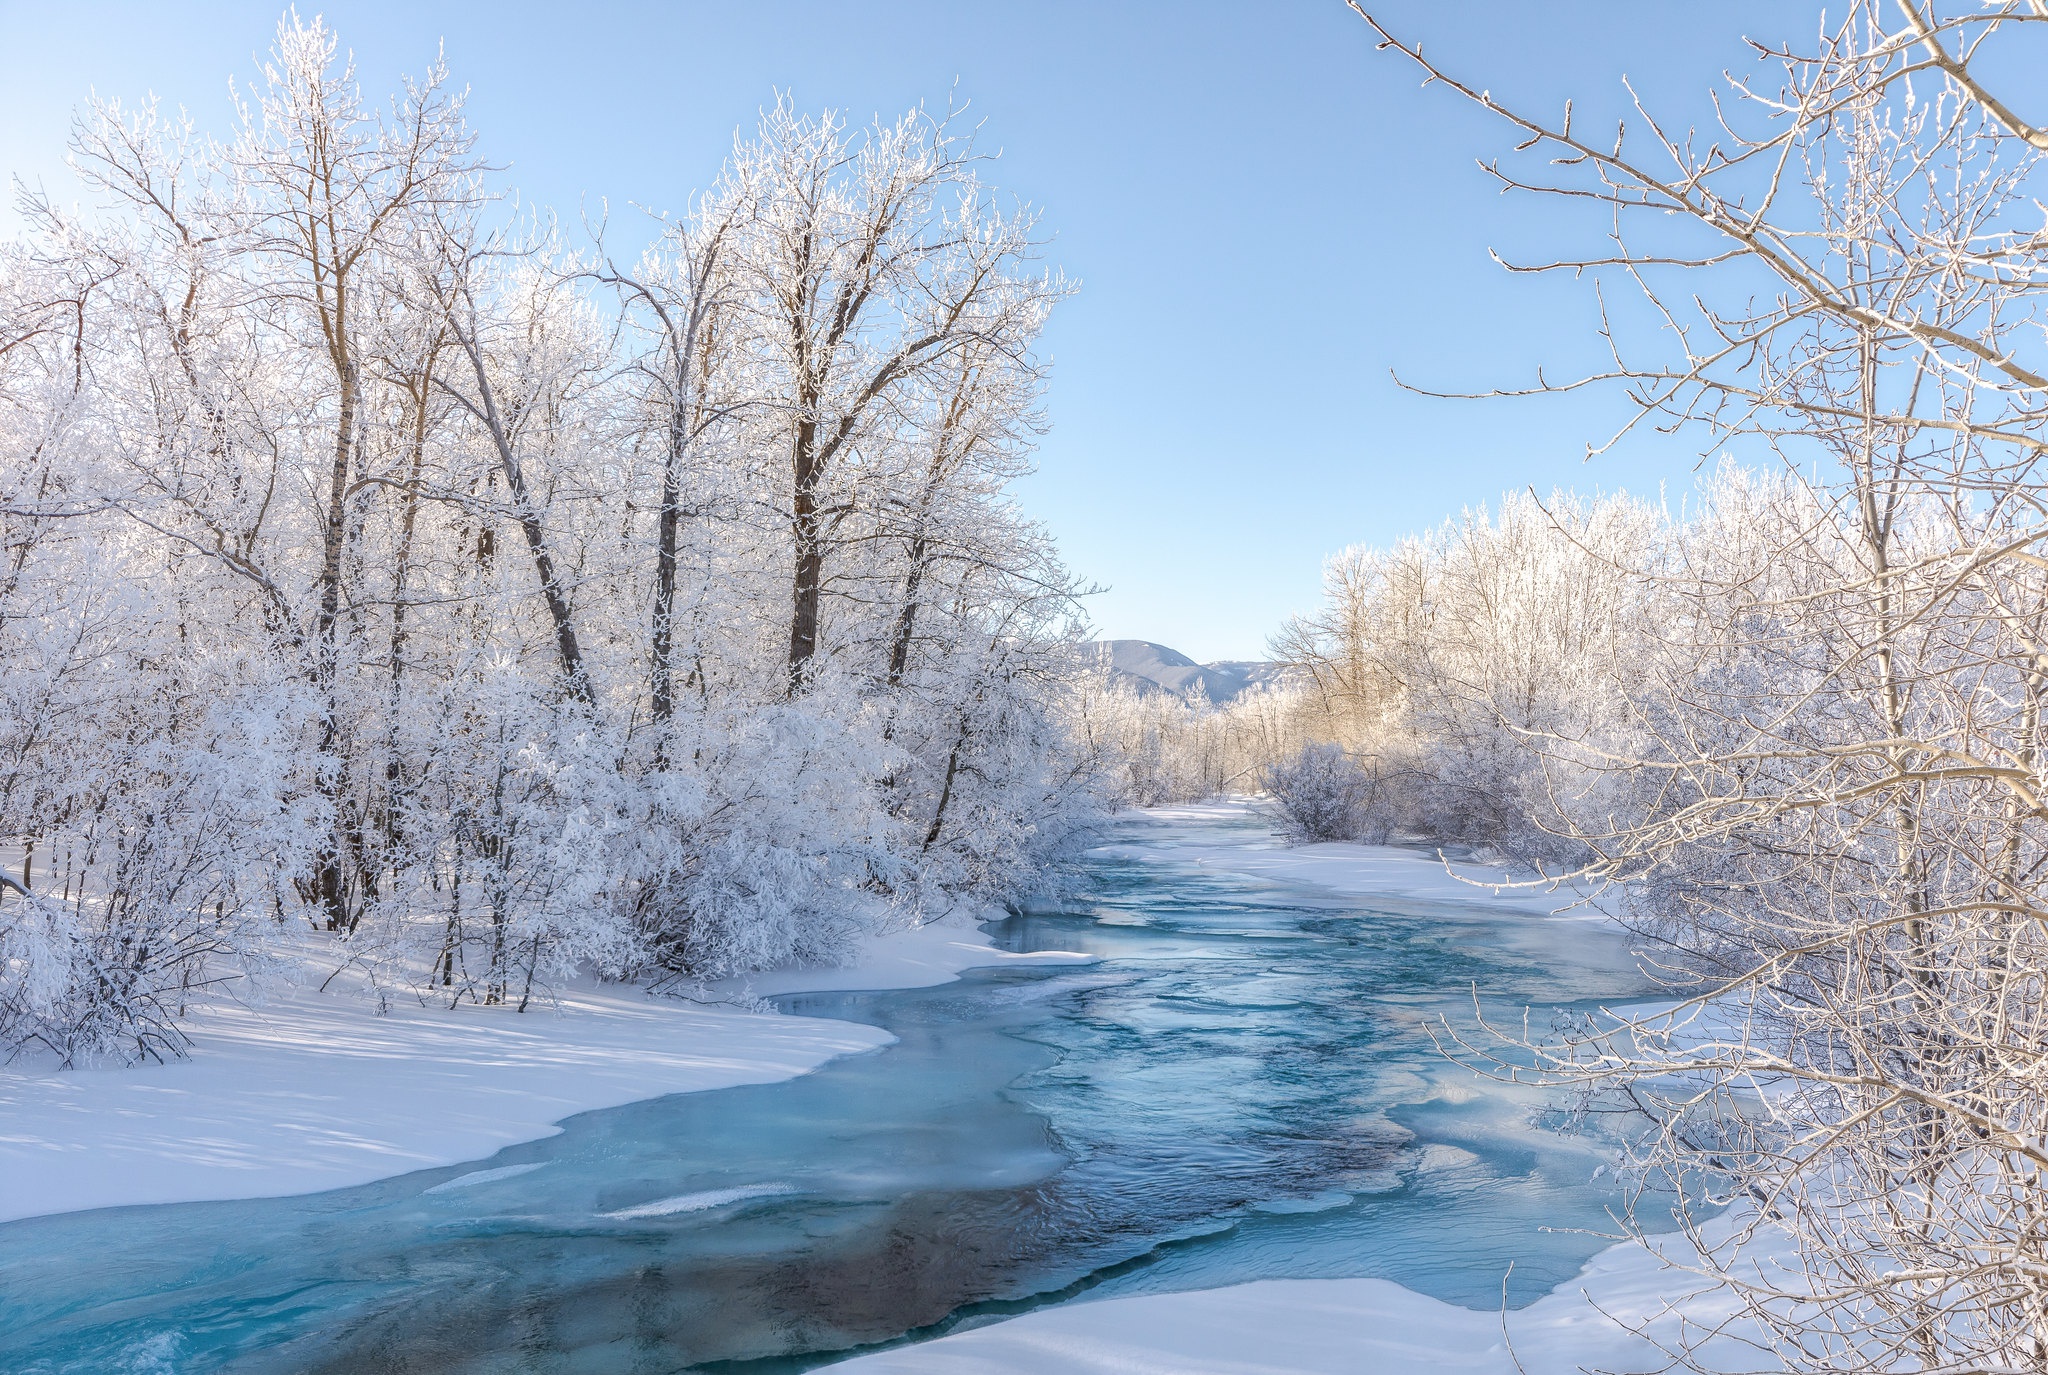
1155,668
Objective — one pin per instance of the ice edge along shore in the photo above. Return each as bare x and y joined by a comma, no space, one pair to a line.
298,1097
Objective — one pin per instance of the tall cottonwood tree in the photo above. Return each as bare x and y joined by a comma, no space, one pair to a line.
325,191
516,391
866,261
682,297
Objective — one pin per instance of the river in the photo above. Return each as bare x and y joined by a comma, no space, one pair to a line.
1242,1085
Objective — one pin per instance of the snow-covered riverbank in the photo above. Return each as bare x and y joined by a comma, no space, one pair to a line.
311,1092
1626,1311
1188,834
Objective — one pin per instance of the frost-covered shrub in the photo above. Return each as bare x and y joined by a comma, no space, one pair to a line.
503,850
1326,794
40,969
775,850
163,865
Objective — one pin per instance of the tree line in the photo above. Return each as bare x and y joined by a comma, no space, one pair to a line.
391,584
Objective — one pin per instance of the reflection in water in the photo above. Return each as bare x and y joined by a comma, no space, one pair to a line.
1243,1088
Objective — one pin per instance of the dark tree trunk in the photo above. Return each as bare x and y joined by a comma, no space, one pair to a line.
810,556
931,836
665,594
568,652
408,524
330,885
906,618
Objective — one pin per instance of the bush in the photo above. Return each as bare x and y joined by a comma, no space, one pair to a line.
1326,794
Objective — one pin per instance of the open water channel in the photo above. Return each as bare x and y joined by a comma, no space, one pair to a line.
1242,1086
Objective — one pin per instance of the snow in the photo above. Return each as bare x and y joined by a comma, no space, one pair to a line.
702,1200
311,1092
1186,834
476,1177
917,958
1342,1327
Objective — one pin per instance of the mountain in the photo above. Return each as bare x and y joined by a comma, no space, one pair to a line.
1155,668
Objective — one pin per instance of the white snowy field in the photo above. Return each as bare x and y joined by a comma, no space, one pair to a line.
311,1092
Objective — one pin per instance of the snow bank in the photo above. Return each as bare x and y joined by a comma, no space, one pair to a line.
1342,1327
917,958
313,1092
1187,834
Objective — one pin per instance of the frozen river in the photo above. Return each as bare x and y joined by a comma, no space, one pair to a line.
1243,1086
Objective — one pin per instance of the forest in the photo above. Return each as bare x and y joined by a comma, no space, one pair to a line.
392,587
397,583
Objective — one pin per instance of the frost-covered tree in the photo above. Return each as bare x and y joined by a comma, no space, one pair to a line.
866,264
391,587
1446,661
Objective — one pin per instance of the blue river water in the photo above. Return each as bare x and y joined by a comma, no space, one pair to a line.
1244,1085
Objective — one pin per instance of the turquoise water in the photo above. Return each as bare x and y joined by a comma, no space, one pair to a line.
1243,1086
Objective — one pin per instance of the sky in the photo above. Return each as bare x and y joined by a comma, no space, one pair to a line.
1269,220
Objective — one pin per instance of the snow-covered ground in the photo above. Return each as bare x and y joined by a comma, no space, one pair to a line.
1349,1327
311,1092
1187,834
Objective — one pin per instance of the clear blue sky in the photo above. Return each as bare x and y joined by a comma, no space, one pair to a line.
1266,217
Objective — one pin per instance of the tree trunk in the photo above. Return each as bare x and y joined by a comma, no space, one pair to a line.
665,581
568,651
906,618
407,525
810,556
329,883
931,836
